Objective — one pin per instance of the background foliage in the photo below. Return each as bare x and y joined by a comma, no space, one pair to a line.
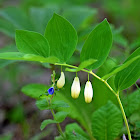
20,117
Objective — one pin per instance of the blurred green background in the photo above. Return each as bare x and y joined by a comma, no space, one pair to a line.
19,117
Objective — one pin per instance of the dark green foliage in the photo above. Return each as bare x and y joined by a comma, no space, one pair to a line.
107,122
97,45
130,74
62,38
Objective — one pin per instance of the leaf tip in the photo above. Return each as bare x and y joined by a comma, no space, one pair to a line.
55,15
105,20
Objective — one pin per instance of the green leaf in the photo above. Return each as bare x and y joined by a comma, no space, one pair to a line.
75,132
62,38
9,48
130,74
132,103
97,45
17,17
81,111
118,38
12,56
106,122
78,15
32,57
78,110
123,66
43,104
34,90
7,28
60,103
27,57
102,93
46,122
43,15
135,44
84,64
32,43
75,136
60,116
138,125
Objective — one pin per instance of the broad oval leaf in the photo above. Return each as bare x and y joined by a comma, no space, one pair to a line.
60,116
32,43
131,103
34,90
42,104
62,38
75,132
106,122
97,45
130,74
17,17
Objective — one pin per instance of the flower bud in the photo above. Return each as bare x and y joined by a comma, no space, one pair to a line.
88,92
61,80
75,88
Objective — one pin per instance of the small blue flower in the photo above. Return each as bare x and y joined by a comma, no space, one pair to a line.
51,90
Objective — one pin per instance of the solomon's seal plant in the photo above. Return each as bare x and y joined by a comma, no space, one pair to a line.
56,47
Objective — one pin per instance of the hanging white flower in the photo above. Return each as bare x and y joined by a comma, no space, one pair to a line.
88,92
61,80
75,88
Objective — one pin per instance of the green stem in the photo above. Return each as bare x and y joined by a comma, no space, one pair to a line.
58,125
52,111
124,116
111,89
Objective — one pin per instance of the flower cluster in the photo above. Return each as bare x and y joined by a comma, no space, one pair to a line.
75,88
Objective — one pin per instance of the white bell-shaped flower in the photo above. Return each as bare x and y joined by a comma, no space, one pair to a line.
75,88
61,80
88,92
